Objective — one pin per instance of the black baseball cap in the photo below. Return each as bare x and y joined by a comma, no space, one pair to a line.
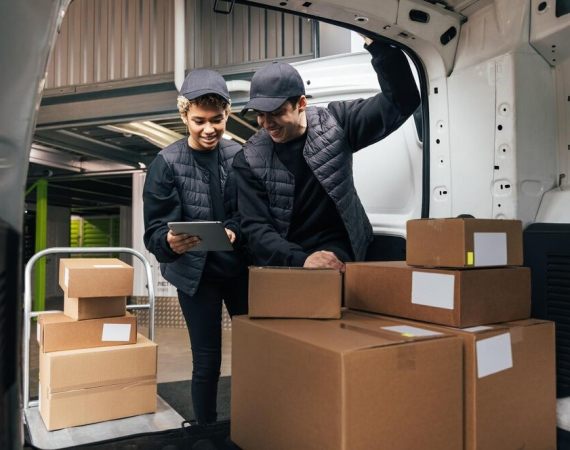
271,85
201,82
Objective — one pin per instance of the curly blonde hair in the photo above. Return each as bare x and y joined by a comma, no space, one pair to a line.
204,100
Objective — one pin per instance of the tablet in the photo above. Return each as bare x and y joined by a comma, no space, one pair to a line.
212,234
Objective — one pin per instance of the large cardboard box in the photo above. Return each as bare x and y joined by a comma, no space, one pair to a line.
78,387
464,243
84,308
95,277
454,297
510,384
57,332
356,383
293,292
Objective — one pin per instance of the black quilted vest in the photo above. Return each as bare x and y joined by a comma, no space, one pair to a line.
192,183
329,156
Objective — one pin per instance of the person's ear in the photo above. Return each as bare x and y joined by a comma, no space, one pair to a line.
302,103
184,119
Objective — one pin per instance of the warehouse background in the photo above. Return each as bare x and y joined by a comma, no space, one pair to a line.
109,106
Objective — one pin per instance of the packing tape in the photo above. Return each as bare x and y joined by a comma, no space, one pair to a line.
406,357
517,334
406,354
388,335
436,224
99,389
93,385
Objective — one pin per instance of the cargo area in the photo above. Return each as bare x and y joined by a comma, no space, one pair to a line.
382,193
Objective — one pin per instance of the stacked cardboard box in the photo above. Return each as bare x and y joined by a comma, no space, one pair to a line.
93,364
357,383
456,274
405,379
293,292
465,273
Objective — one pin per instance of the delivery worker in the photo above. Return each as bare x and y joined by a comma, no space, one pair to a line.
297,199
193,180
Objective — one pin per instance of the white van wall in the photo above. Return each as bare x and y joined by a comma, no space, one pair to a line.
502,119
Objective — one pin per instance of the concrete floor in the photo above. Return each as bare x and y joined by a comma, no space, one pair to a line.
175,358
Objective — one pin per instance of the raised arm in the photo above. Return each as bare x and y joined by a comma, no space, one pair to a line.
366,121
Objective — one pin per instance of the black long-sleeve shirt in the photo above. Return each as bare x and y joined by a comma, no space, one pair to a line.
317,227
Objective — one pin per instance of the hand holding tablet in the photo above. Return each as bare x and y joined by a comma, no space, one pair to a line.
212,236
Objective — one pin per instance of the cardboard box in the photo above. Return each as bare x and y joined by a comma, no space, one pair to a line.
510,384
464,243
95,277
293,292
84,308
78,387
57,332
348,384
458,298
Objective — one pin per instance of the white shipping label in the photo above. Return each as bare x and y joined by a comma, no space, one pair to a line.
411,331
490,249
494,355
116,332
38,331
107,266
66,278
433,289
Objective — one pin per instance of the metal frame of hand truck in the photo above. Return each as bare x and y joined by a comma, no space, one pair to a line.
165,417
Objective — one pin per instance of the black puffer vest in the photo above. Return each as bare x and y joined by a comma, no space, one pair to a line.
192,183
330,158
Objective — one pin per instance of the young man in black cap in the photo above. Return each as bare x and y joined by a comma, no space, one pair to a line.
193,180
297,199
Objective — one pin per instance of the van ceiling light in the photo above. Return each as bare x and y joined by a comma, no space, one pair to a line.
361,19
149,131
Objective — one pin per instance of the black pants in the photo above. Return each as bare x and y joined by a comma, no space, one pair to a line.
203,314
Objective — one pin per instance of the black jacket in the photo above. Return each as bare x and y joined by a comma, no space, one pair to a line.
176,190
266,188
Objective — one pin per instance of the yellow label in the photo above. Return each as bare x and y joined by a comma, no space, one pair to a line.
407,335
469,258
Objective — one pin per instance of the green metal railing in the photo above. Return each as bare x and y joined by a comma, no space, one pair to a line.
41,187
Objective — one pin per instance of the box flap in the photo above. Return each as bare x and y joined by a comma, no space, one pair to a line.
527,322
45,319
352,332
281,269
90,263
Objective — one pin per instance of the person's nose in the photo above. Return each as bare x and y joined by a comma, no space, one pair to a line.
209,128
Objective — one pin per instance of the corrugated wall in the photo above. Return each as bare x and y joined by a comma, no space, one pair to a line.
104,40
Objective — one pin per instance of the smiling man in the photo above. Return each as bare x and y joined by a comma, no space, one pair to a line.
296,193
